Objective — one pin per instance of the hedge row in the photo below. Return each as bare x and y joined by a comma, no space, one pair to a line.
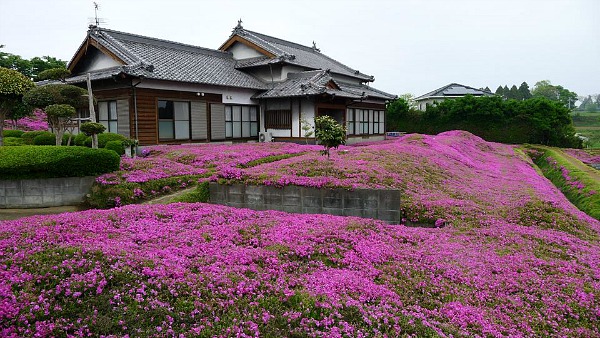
55,161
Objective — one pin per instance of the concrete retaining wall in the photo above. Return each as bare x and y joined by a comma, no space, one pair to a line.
47,192
369,203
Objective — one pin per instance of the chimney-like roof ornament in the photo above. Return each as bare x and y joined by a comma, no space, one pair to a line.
239,29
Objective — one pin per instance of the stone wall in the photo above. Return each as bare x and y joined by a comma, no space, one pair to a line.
369,203
47,192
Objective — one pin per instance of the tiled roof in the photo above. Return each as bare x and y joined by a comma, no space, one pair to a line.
312,83
453,90
296,54
167,60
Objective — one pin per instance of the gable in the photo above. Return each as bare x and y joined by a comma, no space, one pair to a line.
244,48
94,60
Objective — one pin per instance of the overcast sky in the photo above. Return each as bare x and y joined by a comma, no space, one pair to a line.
409,46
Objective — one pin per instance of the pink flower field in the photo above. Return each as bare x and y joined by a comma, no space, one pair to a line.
511,256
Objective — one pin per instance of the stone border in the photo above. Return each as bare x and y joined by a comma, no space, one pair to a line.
46,192
369,203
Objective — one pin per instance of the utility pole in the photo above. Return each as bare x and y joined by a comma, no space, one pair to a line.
91,109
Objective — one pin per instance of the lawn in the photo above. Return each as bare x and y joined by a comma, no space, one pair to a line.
511,257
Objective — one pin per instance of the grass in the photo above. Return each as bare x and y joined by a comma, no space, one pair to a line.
588,124
200,194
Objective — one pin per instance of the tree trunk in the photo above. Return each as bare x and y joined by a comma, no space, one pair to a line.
94,141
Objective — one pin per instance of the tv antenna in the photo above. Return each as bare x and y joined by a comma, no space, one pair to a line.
96,20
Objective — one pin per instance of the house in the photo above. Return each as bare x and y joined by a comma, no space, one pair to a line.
450,91
254,87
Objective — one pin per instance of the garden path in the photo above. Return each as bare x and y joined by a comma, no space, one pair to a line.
592,172
166,199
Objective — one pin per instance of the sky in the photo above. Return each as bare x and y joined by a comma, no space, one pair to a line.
409,46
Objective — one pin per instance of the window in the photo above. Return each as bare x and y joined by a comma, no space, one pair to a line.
241,121
107,115
364,122
173,120
278,119
350,122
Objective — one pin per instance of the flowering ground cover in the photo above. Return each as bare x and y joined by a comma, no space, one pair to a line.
513,257
587,156
163,169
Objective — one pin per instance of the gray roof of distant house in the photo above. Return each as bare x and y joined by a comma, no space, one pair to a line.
453,90
312,83
166,60
296,54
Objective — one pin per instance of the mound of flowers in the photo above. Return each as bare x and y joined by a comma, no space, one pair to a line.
207,270
587,156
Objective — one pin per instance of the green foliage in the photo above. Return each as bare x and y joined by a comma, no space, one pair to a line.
13,84
13,133
536,120
581,188
53,74
554,93
91,128
13,141
60,111
81,139
29,136
329,133
200,194
307,128
30,68
52,161
268,159
396,111
116,146
45,139
43,96
105,138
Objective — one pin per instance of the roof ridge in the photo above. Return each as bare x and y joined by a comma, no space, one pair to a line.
448,86
169,42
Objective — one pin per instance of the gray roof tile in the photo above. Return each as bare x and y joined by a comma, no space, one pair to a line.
454,89
167,60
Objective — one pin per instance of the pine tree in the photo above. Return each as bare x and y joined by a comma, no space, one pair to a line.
487,89
514,93
524,92
500,91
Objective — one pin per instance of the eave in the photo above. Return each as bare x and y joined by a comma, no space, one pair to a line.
237,38
81,52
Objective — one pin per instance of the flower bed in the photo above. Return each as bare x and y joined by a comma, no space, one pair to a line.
587,156
207,270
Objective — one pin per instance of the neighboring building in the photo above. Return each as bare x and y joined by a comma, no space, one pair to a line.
450,91
253,88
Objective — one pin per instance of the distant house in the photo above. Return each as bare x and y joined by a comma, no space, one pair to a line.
254,87
450,91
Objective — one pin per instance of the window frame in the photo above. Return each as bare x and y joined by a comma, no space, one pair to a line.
230,121
107,123
278,119
174,120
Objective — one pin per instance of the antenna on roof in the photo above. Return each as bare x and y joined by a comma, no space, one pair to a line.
314,47
96,21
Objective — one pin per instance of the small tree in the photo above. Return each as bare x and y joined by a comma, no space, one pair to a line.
12,87
58,118
329,133
53,74
307,128
92,129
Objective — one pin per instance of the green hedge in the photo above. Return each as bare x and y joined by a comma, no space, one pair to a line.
13,141
45,139
105,138
55,161
12,133
30,135
116,146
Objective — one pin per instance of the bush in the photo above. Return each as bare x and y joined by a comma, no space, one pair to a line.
104,138
30,135
13,141
329,133
116,146
65,139
81,139
92,128
46,138
12,133
55,161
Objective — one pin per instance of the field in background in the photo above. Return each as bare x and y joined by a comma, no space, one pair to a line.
588,124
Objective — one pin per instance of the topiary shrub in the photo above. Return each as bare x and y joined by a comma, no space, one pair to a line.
65,139
30,135
12,133
116,146
13,141
91,128
46,138
55,161
81,139
104,138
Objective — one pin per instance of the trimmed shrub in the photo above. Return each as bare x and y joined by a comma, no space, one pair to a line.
104,138
13,141
55,161
30,135
91,128
65,139
46,138
116,146
12,133
81,139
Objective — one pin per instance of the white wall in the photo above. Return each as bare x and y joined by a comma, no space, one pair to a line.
241,51
230,95
290,69
301,108
100,61
308,113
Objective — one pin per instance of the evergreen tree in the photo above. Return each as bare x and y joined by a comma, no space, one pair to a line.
514,93
500,91
506,91
524,92
487,89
